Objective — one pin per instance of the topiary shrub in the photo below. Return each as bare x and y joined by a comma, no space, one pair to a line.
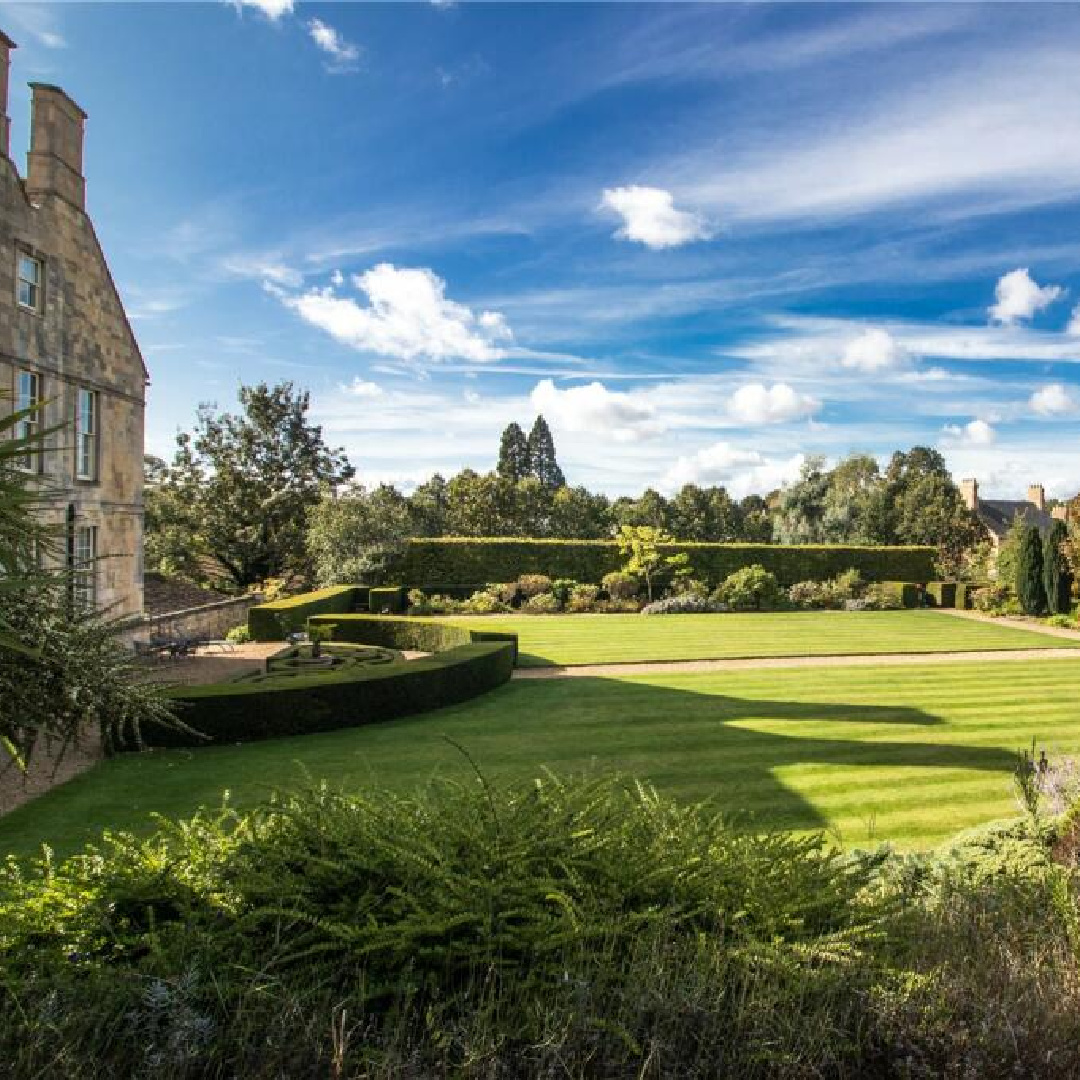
751,589
1030,589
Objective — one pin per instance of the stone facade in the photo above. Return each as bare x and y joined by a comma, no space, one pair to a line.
997,515
68,341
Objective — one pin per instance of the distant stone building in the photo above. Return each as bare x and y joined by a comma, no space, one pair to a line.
997,515
66,341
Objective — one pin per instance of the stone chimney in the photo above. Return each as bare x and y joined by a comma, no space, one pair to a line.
1037,495
969,491
6,45
55,161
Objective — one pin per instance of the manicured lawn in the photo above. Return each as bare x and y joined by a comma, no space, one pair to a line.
613,639
909,754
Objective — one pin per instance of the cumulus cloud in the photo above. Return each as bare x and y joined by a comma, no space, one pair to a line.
757,403
406,315
1054,399
361,388
343,54
975,433
1018,297
741,471
596,409
272,9
872,351
649,216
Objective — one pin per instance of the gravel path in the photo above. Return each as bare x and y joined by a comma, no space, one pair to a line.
882,659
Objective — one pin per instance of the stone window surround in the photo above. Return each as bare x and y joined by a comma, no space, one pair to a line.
28,251
93,435
34,462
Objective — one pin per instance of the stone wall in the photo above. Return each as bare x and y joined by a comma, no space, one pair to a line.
205,621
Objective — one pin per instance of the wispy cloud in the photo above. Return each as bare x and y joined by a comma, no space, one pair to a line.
344,56
272,9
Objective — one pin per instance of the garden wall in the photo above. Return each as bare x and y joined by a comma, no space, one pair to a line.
459,561
205,621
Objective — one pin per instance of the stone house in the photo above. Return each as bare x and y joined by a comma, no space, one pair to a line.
996,515
65,340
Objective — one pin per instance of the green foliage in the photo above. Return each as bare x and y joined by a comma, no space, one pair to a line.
240,487
271,622
530,585
908,593
582,599
387,600
358,535
1030,590
751,588
825,595
620,585
513,454
1008,557
879,597
1057,574
942,594
73,681
239,635
540,452
541,604
462,560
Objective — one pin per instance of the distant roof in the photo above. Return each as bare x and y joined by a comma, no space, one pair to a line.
165,595
998,514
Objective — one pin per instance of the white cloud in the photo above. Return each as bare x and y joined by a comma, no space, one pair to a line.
757,403
595,409
649,216
741,471
343,54
872,351
361,388
975,433
266,269
272,9
407,316
1054,399
1074,322
1019,297
337,279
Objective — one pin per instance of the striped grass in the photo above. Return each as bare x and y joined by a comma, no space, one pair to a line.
612,639
907,754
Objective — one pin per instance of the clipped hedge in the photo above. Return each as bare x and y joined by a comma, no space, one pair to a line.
942,593
909,593
965,593
467,663
460,560
265,621
392,598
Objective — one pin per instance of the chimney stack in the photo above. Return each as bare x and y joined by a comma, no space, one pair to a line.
6,45
55,161
1037,495
969,491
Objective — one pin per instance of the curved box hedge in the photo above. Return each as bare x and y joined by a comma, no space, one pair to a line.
467,663
459,560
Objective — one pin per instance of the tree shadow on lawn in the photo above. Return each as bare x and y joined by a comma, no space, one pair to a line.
691,742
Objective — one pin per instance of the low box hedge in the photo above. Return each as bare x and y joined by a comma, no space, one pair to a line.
909,593
270,622
942,594
392,599
460,560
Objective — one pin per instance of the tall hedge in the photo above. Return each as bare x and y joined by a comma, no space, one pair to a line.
461,560
270,622
1030,588
1057,577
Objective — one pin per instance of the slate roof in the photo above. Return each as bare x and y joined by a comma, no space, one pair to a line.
165,595
998,514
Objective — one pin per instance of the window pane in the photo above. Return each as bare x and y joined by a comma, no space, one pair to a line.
29,283
86,435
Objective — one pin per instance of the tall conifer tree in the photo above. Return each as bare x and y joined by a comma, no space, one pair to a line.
1029,573
1057,577
542,463
513,454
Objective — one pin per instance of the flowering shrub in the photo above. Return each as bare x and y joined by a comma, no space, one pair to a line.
582,598
992,599
482,602
530,585
834,593
541,604
683,604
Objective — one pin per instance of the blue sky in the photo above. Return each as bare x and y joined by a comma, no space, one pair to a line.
704,241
